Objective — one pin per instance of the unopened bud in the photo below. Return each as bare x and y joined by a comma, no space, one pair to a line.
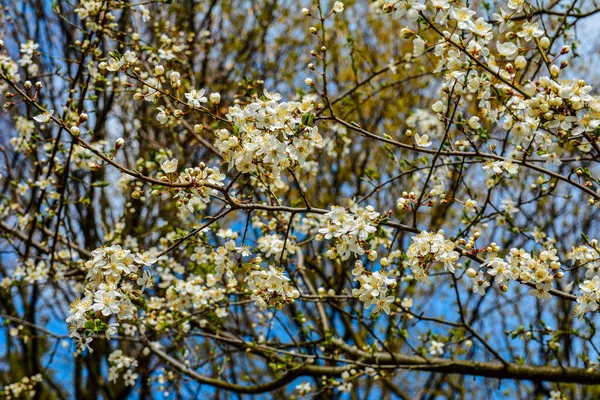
215,98
372,255
405,33
520,62
471,273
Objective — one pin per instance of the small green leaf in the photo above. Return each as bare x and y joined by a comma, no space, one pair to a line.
100,184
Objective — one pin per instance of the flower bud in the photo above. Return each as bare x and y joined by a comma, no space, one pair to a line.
405,33
520,62
75,131
119,142
174,76
309,82
306,12
372,255
338,7
159,70
215,98
27,85
438,106
545,42
471,273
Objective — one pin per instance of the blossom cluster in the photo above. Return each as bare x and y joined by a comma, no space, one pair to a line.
10,68
201,183
538,270
227,257
269,136
23,142
27,52
375,288
547,116
122,365
22,389
31,272
184,297
588,257
590,297
95,14
271,288
273,244
428,248
351,229
268,287
112,278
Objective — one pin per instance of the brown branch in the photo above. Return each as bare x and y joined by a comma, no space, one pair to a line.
476,368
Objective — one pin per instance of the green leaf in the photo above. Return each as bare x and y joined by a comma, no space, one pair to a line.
100,184
307,119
